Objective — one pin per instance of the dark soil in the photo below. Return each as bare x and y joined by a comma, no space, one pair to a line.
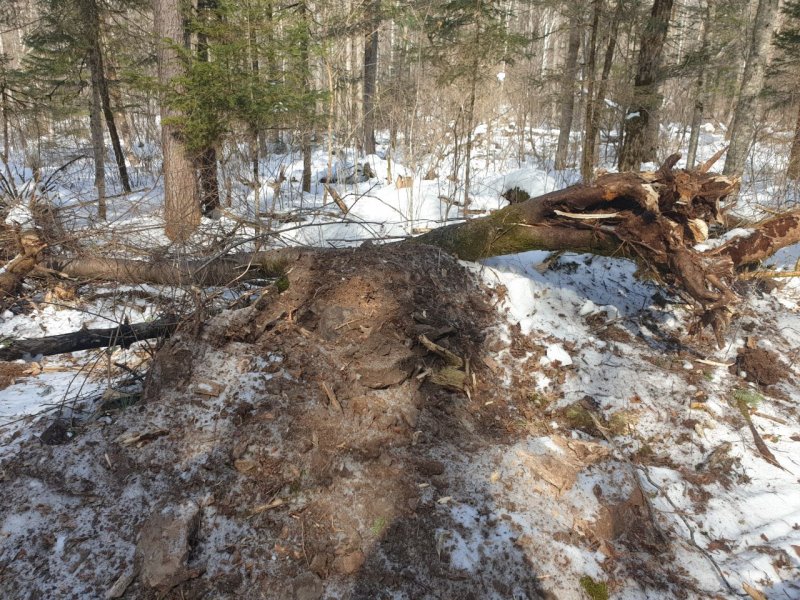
760,365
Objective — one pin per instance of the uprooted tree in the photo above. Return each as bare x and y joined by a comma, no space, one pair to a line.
656,218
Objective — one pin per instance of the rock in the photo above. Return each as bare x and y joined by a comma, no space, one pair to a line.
164,543
349,563
307,587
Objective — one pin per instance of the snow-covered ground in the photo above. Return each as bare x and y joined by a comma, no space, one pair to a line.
604,334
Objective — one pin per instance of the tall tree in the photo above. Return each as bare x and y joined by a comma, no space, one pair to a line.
181,194
638,144
206,158
595,100
788,41
567,96
743,125
370,74
700,85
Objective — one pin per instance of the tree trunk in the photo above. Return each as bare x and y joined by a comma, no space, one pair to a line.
91,12
98,143
181,198
567,96
743,127
4,107
206,159
592,110
639,142
700,88
305,65
793,171
370,77
209,179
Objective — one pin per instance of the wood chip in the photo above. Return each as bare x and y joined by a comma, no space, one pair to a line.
331,396
753,592
268,506
140,439
586,217
713,363
450,357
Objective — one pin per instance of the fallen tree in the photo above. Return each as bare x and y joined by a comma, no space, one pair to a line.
85,339
656,218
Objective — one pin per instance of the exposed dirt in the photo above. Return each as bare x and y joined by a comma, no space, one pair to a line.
303,425
300,449
760,365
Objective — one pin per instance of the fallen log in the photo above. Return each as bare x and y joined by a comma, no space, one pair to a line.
223,270
656,218
86,339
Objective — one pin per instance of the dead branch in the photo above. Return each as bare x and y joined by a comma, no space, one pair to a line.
86,339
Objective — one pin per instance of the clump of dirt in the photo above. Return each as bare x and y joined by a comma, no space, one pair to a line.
760,366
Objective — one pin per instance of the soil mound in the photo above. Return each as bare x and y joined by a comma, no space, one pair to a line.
303,431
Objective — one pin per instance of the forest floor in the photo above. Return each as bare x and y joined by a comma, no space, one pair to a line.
557,433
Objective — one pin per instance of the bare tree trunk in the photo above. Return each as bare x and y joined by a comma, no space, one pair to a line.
181,198
793,171
206,160
567,96
595,103
743,127
700,89
370,77
640,140
6,135
587,156
305,65
98,143
91,12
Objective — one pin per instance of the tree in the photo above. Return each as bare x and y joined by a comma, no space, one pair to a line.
181,194
596,100
567,96
743,125
465,37
370,74
640,136
68,36
700,84
788,41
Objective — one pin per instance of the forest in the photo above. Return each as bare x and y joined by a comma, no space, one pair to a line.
399,299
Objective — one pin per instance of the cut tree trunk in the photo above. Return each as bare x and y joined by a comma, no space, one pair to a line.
86,339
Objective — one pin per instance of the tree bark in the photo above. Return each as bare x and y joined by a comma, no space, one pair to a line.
590,129
370,76
206,159
181,195
743,126
86,339
638,144
793,170
305,65
567,96
700,89
96,127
